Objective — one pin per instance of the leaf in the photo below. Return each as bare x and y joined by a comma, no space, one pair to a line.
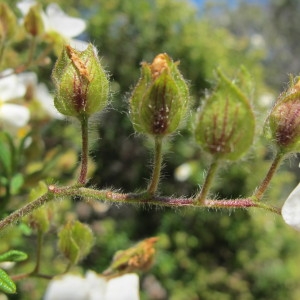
13,255
6,284
5,158
16,183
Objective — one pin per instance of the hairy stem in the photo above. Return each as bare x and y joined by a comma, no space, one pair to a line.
152,188
200,198
25,210
259,192
109,196
84,151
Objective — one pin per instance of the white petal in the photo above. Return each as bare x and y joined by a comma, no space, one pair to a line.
291,209
125,287
11,87
68,287
97,286
47,101
14,115
28,78
25,5
65,25
78,44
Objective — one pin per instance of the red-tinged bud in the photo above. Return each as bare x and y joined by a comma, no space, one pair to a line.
81,83
284,119
226,124
159,101
33,21
8,22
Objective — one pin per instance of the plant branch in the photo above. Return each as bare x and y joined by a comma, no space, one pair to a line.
131,198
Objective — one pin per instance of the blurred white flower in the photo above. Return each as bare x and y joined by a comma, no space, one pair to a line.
55,20
183,172
291,209
93,287
12,116
40,92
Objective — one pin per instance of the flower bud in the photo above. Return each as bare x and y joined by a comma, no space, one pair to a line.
226,124
33,21
8,22
284,119
138,257
160,99
82,86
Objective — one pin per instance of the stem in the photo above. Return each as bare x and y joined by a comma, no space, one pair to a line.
84,151
200,198
2,47
152,188
38,252
109,196
31,51
265,183
25,210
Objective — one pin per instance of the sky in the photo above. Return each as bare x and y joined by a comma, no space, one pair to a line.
230,2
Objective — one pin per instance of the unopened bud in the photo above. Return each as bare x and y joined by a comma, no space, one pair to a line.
82,86
33,21
225,125
284,119
160,99
8,22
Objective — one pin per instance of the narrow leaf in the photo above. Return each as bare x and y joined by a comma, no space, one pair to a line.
6,284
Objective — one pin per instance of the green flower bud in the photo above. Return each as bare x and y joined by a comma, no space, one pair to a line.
8,22
226,124
33,21
159,102
82,86
75,241
284,119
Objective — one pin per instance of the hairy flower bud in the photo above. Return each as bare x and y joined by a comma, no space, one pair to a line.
82,86
8,22
284,119
33,21
225,125
160,99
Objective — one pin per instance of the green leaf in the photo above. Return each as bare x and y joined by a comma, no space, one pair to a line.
13,255
6,284
5,157
16,183
75,241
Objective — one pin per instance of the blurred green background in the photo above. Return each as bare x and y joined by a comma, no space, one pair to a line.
201,254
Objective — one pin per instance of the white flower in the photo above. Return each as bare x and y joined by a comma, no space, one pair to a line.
12,116
291,209
183,172
93,287
40,93
55,20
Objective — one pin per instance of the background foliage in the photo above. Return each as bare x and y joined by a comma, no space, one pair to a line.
201,254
